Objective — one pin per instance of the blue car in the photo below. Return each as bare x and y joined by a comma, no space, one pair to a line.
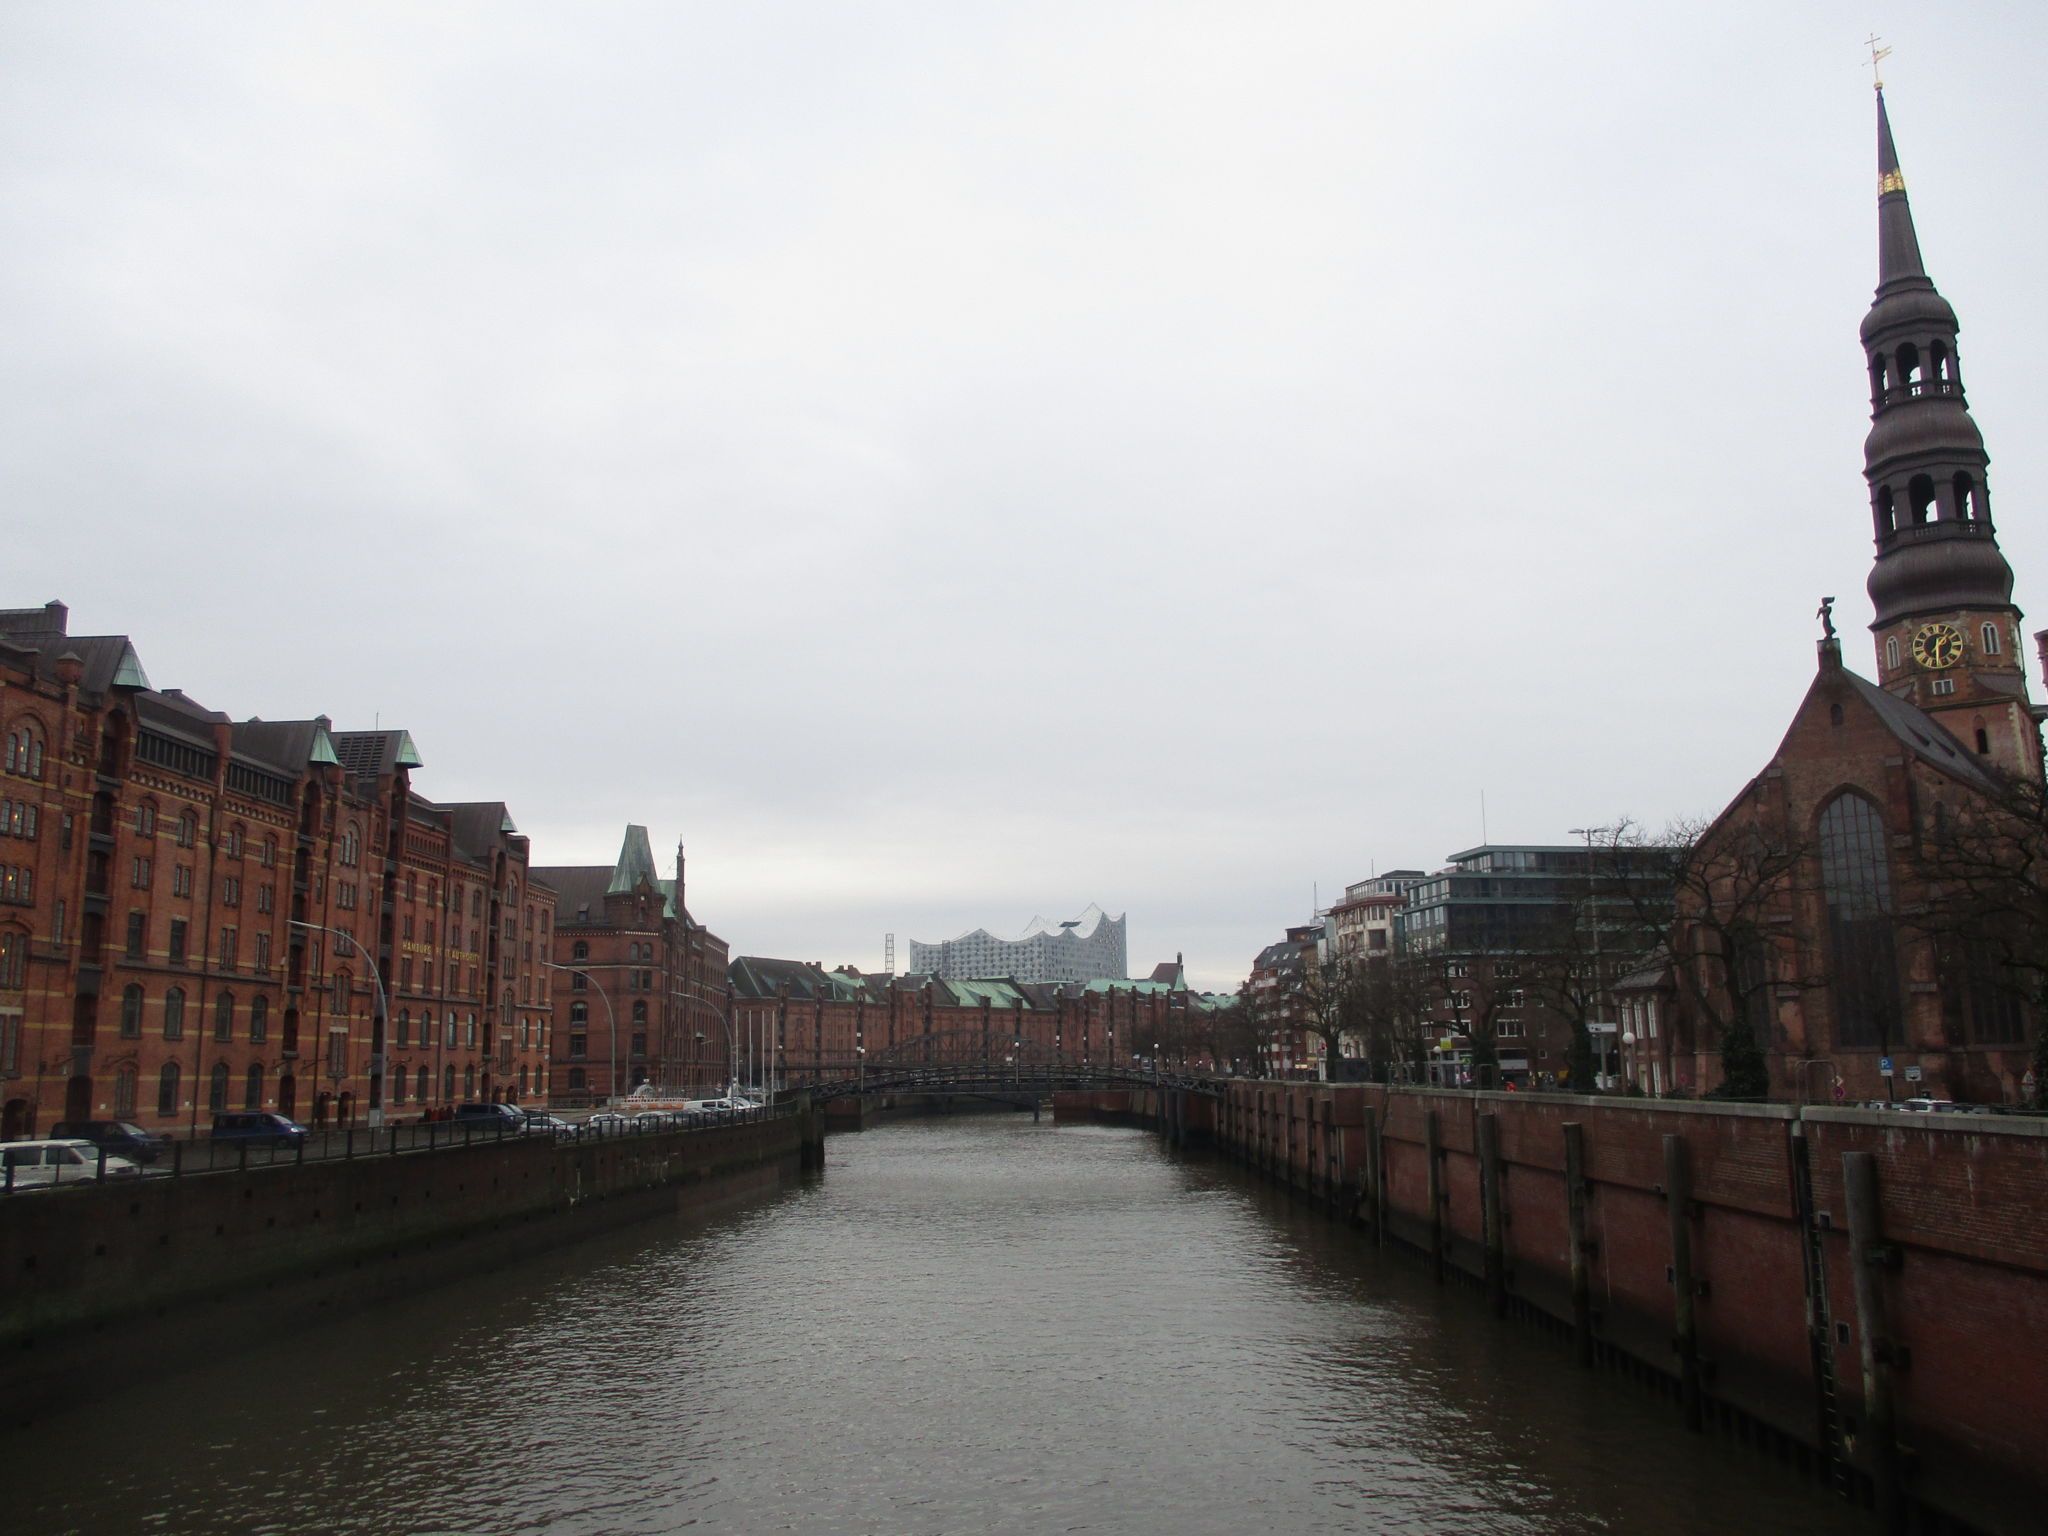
259,1128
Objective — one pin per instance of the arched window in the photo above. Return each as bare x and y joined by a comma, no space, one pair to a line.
124,1093
344,989
259,1018
167,1089
351,844
13,961
1856,883
1891,653
1920,499
1939,364
1991,641
398,1086
25,751
188,830
1877,379
1964,490
419,1090
404,1028
145,819
131,1012
252,1088
269,852
469,1082
579,951
447,1083
217,1089
1887,513
1909,368
174,1014
235,839
1983,742
224,1017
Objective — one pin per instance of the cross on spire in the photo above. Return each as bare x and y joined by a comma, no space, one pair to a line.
1877,56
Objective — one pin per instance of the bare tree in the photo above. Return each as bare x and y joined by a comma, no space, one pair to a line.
1716,889
1985,860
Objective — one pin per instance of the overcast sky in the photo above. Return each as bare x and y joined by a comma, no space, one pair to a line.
954,461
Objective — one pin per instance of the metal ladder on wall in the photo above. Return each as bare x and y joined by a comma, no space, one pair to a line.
1820,1326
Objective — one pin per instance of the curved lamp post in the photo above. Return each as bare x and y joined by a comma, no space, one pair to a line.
379,1024
611,1018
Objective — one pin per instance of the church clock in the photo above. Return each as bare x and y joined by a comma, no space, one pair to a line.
1938,646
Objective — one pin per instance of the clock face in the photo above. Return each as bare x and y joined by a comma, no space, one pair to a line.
1938,646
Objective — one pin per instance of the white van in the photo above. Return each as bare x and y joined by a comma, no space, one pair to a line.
32,1164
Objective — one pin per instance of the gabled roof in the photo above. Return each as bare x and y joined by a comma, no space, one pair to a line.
579,891
1924,736
290,745
759,976
479,824
375,753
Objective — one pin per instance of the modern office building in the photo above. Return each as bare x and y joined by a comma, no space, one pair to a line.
1090,947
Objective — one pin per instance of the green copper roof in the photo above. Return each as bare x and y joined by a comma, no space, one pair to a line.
408,754
636,863
128,671
323,748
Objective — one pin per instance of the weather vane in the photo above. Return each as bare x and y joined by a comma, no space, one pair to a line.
1877,56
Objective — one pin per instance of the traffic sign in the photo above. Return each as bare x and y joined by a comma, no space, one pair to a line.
1912,1074
1884,1066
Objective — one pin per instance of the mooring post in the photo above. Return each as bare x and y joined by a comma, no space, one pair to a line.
1376,1148
1432,1140
1868,1253
1491,1220
1362,1211
1575,1225
1684,1288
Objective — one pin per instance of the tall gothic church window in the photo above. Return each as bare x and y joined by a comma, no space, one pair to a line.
1863,957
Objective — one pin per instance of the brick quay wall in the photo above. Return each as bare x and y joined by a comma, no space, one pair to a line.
1863,1291
108,1282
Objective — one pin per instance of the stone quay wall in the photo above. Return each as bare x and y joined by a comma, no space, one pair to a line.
107,1282
1864,1291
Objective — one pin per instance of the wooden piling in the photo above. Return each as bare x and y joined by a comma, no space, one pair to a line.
1492,1224
1868,1254
1685,1338
1581,1254
1433,1146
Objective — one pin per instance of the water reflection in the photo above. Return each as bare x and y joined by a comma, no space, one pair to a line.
971,1325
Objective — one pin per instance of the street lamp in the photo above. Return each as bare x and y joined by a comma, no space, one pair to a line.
612,1081
375,1113
732,1055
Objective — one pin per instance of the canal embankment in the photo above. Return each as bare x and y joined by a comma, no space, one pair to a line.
1862,1291
108,1281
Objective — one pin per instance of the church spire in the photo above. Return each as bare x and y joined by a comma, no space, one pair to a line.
1947,631
1924,457
1898,247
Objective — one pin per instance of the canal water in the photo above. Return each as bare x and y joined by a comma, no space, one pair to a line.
975,1324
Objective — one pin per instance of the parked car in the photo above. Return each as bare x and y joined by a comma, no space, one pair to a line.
33,1164
510,1116
119,1136
608,1120
259,1128
540,1123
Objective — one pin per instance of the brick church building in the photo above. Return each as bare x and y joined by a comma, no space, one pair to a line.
1812,909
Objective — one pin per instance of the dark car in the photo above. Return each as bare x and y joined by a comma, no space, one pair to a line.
259,1128
510,1116
120,1137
